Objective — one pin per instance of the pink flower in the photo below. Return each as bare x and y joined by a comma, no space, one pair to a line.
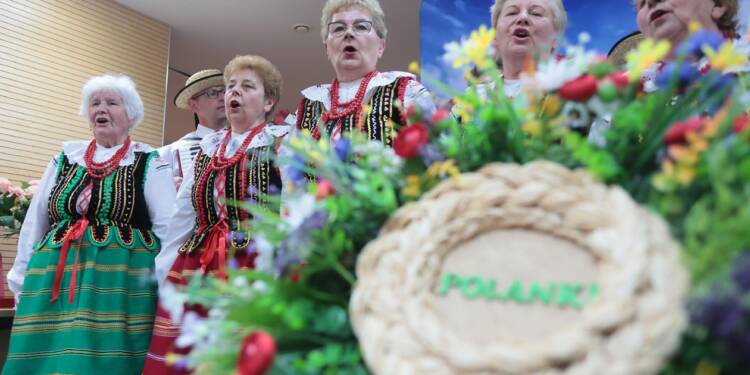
5,185
30,191
34,182
17,191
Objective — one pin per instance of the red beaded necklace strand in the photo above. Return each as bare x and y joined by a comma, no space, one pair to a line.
220,163
105,168
352,106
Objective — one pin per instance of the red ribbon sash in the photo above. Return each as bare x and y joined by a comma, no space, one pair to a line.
75,232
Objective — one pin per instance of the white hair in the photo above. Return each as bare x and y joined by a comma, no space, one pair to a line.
121,84
559,16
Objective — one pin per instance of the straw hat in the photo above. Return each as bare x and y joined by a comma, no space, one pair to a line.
623,46
197,83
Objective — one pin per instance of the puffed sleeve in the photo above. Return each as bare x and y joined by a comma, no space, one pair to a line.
35,225
417,94
167,154
181,222
160,197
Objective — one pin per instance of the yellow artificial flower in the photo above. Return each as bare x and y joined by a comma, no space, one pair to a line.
413,186
694,26
442,169
725,58
478,46
532,127
646,54
414,67
550,106
707,368
463,109
697,142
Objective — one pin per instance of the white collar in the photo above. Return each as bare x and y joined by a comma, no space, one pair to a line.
267,137
202,131
76,151
322,92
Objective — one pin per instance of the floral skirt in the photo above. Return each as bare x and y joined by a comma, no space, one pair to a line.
166,330
106,328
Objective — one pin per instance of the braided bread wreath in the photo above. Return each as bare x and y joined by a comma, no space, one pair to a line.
530,269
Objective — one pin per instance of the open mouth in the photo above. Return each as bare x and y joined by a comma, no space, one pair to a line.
521,33
102,120
234,103
657,14
349,49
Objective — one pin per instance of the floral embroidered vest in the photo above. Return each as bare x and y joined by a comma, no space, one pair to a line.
262,177
117,211
379,125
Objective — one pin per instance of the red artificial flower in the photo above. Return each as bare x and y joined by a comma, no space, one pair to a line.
410,139
257,354
440,115
579,89
677,133
324,190
620,79
740,123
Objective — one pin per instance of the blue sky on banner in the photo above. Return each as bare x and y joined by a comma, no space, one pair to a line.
444,21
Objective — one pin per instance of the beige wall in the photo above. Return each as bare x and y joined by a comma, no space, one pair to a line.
47,51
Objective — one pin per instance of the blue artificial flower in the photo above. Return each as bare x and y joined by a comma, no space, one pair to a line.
720,314
341,147
430,154
684,73
284,259
294,172
694,45
741,272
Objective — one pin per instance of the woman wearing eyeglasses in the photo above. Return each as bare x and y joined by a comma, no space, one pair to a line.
354,33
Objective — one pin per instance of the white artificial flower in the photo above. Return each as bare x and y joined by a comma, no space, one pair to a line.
298,208
453,52
193,330
264,260
173,301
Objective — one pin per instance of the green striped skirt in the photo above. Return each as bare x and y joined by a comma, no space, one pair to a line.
107,328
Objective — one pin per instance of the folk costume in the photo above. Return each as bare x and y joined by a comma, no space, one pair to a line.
339,106
206,233
180,155
83,273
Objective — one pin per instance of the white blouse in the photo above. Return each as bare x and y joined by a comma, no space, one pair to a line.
182,221
159,192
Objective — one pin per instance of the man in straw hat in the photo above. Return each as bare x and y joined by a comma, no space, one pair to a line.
203,94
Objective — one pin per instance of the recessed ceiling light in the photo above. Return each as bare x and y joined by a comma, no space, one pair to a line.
301,28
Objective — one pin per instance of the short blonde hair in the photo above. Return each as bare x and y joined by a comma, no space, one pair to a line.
372,6
267,72
559,16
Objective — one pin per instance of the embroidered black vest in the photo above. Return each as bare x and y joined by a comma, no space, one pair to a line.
263,178
379,125
117,209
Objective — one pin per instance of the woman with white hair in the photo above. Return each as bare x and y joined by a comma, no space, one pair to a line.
354,34
82,275
526,32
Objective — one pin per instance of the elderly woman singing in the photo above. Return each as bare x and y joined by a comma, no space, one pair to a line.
207,232
525,31
86,301
354,33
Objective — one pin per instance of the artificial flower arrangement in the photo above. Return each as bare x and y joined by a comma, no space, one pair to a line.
14,202
682,150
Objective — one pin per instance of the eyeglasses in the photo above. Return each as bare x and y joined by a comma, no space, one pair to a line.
212,93
338,28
